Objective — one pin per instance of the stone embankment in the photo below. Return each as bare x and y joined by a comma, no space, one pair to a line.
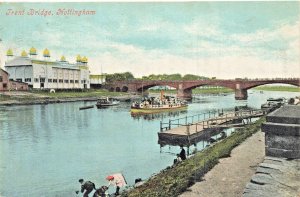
279,174
276,177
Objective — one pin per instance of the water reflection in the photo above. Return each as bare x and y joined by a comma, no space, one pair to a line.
158,116
200,144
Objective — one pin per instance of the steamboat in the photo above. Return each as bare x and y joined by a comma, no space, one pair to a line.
158,104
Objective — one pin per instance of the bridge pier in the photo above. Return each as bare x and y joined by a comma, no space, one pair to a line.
241,94
184,94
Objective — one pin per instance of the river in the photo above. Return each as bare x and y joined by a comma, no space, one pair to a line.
45,149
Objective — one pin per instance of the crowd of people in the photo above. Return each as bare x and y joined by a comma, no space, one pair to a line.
157,101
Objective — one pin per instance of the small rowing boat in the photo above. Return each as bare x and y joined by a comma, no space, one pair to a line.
106,102
86,107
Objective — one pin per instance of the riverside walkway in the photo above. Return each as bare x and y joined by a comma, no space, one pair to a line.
191,129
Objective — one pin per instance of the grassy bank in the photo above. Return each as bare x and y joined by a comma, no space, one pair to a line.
198,91
174,181
42,95
279,88
79,94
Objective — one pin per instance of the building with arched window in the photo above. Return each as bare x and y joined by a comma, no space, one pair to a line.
48,74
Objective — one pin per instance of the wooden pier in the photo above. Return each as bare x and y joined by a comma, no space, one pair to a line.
192,129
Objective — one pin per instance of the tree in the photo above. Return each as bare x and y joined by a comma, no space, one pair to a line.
119,77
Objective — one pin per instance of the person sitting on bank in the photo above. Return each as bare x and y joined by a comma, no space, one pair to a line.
182,153
177,160
87,186
138,182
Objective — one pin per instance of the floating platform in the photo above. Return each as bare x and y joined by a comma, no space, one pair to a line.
190,132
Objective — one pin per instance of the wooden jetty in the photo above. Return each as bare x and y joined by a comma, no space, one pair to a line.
192,129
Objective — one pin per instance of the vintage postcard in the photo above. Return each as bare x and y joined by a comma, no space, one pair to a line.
147,98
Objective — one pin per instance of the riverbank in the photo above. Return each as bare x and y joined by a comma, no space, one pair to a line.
176,180
279,88
41,97
230,176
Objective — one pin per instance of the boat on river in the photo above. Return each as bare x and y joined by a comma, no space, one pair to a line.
106,102
86,107
273,103
158,104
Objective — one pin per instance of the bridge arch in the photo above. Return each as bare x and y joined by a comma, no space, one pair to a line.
118,89
147,86
267,83
124,89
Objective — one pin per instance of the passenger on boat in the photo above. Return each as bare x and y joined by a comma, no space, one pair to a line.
87,186
182,153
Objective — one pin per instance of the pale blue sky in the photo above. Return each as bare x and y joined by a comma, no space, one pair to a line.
223,39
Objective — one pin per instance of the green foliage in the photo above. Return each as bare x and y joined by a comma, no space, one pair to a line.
199,91
174,181
193,77
119,77
173,77
170,77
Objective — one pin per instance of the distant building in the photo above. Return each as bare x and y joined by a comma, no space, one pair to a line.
6,84
47,74
97,81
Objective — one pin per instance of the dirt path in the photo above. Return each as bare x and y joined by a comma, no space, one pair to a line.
230,176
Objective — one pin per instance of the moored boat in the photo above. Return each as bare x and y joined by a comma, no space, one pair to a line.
106,102
273,103
86,107
158,104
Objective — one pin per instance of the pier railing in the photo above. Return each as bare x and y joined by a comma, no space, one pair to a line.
210,119
184,121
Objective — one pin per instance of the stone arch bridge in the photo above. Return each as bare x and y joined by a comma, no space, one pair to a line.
184,88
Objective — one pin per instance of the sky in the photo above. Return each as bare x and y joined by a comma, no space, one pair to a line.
213,39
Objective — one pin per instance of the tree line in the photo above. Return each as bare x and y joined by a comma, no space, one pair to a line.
171,77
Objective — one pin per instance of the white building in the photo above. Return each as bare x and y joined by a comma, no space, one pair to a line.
47,74
97,81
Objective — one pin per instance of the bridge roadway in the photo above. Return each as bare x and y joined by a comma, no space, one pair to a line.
187,134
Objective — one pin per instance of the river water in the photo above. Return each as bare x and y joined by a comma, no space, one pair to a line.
45,149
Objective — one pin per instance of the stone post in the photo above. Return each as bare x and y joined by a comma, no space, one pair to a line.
282,131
